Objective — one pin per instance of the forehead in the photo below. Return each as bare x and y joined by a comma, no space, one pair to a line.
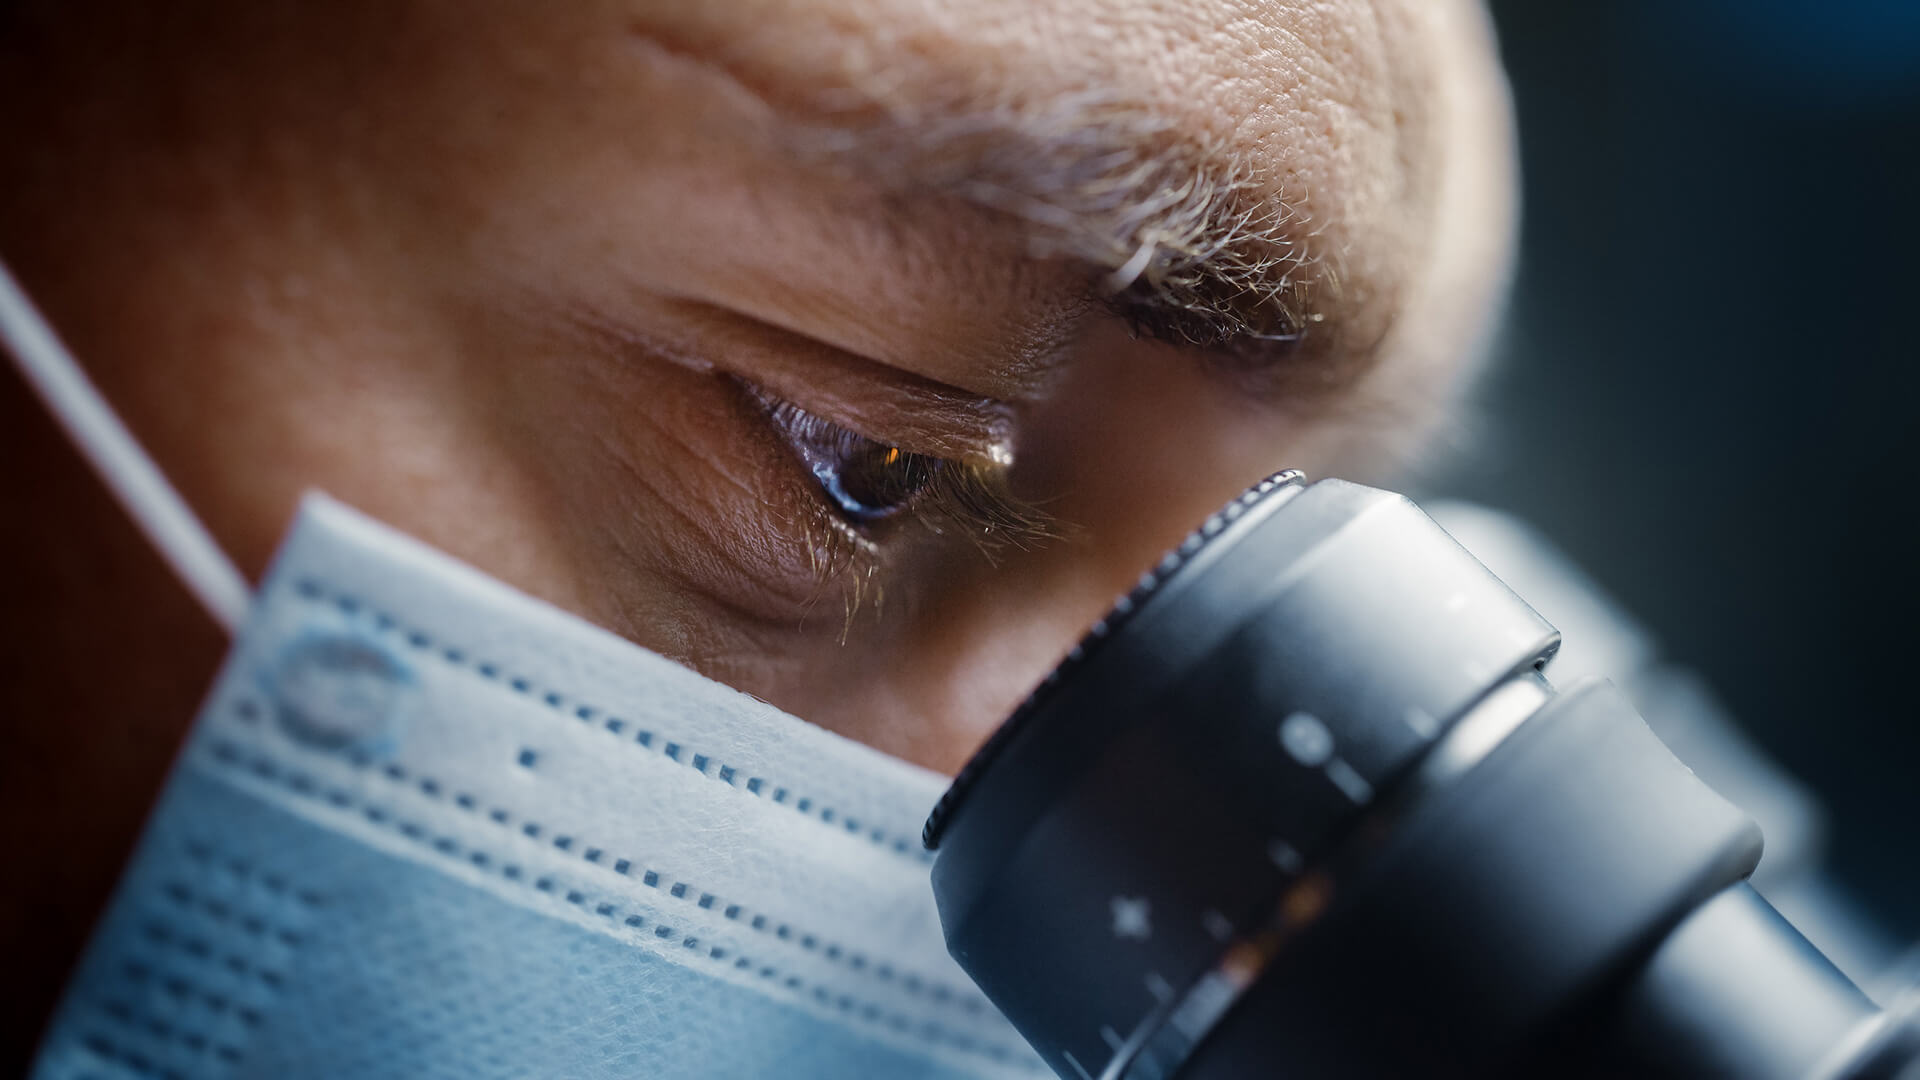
1259,74
1311,125
542,122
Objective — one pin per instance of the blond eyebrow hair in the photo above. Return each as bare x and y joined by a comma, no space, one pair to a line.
1186,240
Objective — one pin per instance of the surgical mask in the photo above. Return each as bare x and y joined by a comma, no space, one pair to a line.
426,825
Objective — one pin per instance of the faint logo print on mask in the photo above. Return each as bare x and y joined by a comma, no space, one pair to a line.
336,691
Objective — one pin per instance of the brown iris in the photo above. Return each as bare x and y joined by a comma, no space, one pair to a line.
864,479
875,481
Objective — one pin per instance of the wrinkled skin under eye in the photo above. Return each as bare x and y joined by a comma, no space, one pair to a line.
864,480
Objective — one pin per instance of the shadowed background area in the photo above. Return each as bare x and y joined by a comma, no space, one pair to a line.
1706,391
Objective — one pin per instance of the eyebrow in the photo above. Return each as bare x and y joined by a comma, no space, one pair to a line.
1182,237
1185,238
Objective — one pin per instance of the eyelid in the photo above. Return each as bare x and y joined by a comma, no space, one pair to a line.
879,401
887,412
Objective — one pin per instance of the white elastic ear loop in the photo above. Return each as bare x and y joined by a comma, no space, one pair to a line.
119,459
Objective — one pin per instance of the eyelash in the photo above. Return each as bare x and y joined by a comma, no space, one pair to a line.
966,497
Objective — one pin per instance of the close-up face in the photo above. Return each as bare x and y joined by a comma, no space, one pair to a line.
856,355
698,538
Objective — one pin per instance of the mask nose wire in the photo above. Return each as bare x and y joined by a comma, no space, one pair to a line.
122,464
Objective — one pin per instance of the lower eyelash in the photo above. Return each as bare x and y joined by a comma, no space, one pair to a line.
840,554
968,499
975,501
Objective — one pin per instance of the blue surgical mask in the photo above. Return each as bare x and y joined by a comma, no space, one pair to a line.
427,826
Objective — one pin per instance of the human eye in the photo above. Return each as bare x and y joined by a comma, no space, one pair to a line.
865,481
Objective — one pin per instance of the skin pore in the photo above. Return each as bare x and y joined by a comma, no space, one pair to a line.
521,280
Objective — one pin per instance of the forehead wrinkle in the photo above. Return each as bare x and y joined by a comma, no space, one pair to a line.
1170,224
1183,195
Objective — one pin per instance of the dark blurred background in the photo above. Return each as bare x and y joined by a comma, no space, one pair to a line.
1707,391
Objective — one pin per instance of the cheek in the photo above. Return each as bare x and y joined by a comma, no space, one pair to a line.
664,509
1135,449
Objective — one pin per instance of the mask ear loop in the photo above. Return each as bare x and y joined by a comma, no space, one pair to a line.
122,464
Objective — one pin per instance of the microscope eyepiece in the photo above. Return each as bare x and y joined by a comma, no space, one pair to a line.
1303,804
